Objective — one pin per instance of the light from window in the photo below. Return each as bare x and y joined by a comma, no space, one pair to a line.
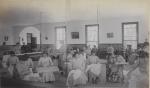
60,37
92,35
130,35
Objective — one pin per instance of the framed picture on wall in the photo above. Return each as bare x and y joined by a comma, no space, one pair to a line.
75,35
110,35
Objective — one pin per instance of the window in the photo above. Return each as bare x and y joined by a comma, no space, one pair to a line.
60,37
110,35
130,35
92,35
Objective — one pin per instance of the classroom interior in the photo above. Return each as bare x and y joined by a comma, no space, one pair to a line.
58,28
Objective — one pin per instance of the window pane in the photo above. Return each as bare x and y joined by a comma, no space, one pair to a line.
92,36
130,35
92,44
92,33
130,32
60,35
129,26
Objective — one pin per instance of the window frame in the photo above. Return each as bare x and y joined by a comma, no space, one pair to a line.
137,32
56,35
86,30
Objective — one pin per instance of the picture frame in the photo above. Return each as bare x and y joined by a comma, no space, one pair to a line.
75,35
110,35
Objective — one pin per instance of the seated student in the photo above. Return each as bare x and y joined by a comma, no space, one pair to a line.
68,61
5,59
25,73
93,59
12,62
83,54
94,49
132,63
44,70
112,68
23,69
94,67
87,50
137,76
69,56
29,63
76,76
120,62
17,48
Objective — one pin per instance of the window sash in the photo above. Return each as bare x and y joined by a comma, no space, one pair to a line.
60,37
130,35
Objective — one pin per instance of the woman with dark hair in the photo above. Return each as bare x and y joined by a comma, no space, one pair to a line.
45,62
138,74
94,67
77,76
12,62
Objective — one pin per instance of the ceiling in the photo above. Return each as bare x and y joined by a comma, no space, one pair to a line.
17,12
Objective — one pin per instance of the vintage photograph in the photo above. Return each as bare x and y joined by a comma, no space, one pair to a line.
74,43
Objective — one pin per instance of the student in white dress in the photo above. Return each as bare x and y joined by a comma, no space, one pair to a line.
12,62
5,60
138,75
44,70
95,66
77,76
29,62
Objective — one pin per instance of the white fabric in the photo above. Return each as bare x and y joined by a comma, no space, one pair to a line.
32,76
10,69
29,63
125,72
48,69
5,60
78,64
77,74
94,68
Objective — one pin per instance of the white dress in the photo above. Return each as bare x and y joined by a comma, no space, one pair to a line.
5,60
77,75
136,79
45,70
95,68
12,61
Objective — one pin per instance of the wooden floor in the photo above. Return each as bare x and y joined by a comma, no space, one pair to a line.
7,82
60,83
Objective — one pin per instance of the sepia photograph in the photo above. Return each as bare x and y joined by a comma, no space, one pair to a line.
74,43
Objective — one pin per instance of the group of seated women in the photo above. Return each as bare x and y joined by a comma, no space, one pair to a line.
28,70
86,67
83,67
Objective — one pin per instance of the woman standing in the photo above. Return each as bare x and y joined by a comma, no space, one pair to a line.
44,70
12,62
5,59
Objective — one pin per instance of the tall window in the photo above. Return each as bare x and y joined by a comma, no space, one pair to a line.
130,35
92,35
60,37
